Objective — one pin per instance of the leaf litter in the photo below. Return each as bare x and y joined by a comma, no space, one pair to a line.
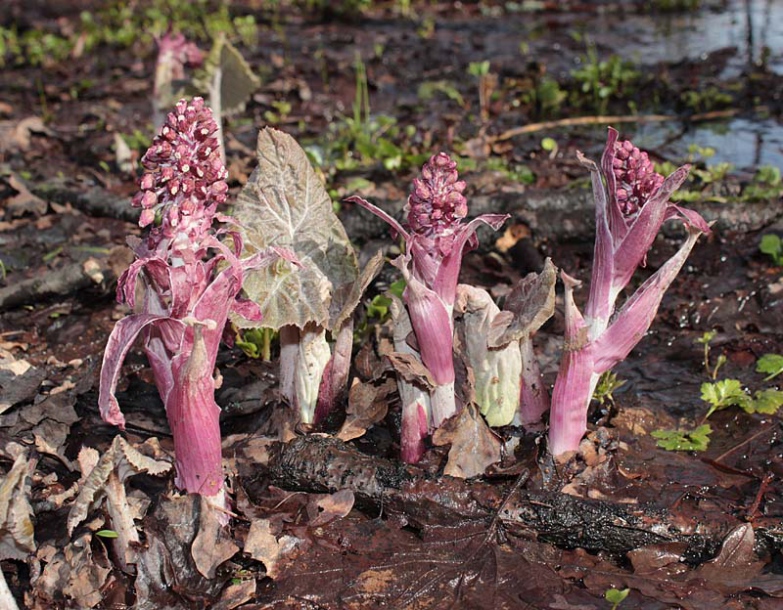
287,547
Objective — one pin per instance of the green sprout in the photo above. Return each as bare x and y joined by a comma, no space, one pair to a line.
684,440
616,596
765,185
772,364
706,340
607,384
722,394
729,393
772,246
478,68
602,80
363,139
256,342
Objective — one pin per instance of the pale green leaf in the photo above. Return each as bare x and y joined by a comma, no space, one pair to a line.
285,204
766,401
684,440
771,365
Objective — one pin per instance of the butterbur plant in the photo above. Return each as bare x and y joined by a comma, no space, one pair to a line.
284,204
182,286
175,53
435,241
632,202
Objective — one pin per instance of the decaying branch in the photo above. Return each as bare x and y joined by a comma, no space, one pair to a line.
324,464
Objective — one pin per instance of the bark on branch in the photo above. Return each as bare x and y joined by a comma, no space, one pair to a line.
323,464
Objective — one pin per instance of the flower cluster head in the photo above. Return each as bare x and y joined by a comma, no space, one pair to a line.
636,177
436,204
184,180
179,52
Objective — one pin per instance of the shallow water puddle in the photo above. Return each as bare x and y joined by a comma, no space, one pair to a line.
753,27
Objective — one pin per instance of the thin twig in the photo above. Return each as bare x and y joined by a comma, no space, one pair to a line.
743,443
598,120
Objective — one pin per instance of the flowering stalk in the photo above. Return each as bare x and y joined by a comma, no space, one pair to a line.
188,282
175,53
632,202
416,404
435,240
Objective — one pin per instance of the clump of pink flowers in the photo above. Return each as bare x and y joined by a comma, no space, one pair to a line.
632,202
435,241
182,287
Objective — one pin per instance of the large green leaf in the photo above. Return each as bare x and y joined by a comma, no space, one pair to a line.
284,204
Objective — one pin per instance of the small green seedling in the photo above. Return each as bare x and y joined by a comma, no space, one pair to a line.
607,384
729,392
256,342
107,534
379,306
616,596
705,340
771,364
550,146
722,394
684,440
772,245
478,68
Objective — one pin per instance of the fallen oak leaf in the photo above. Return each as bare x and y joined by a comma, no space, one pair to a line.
262,545
367,405
474,446
331,507
107,479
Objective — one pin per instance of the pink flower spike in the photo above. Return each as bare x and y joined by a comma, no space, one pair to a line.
190,281
435,241
632,202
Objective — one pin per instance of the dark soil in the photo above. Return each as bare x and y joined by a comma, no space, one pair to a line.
696,530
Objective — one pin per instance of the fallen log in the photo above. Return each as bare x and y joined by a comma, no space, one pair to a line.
321,464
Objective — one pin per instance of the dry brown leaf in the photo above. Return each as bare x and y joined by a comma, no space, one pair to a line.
262,545
122,459
74,572
19,380
474,446
411,369
106,479
24,202
236,594
530,304
16,525
326,509
16,136
367,405
212,545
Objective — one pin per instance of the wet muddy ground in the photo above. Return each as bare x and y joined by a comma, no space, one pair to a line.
679,529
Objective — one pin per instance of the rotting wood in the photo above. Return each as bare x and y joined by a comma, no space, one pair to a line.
321,464
60,282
